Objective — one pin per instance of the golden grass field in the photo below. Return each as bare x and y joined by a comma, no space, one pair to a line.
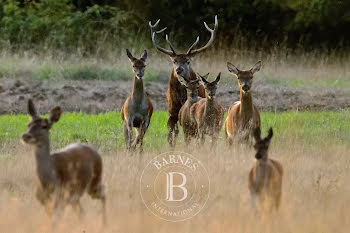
316,184
316,193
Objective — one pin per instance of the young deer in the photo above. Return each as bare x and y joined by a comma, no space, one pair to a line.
137,109
243,116
265,178
207,112
189,126
176,93
66,175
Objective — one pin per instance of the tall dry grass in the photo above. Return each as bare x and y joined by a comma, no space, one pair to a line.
280,66
316,193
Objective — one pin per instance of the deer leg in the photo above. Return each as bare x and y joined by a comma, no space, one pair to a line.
187,137
143,132
97,192
129,129
229,141
139,138
78,209
173,130
277,200
202,137
59,205
126,135
214,138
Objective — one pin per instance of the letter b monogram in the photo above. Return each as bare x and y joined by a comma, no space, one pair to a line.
170,186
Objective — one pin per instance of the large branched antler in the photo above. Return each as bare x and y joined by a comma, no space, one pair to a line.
190,51
212,37
153,35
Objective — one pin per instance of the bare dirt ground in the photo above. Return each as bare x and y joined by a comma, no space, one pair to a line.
102,96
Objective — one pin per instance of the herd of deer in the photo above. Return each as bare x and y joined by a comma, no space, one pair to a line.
66,175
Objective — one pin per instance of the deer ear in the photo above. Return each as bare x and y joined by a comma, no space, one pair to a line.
256,67
144,55
232,68
130,56
257,134
182,80
55,115
270,134
31,109
217,80
203,79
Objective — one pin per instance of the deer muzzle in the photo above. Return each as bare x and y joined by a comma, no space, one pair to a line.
246,88
179,70
27,138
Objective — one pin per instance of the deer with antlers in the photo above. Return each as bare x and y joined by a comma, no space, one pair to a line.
207,112
137,109
265,177
176,93
64,176
243,116
189,126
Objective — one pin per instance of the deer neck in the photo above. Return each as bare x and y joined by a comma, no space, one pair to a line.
44,165
209,106
137,90
261,170
246,108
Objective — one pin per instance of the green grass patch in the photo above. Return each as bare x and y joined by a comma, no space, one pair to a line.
106,130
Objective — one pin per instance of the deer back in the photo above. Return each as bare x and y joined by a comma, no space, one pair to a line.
77,166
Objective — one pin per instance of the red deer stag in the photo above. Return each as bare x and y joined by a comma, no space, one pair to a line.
265,178
189,126
207,112
137,109
176,93
66,175
243,116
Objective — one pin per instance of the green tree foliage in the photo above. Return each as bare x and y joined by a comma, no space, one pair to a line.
89,25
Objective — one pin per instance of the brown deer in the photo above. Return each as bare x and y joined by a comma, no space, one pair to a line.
265,178
207,112
64,176
176,93
137,109
243,116
188,125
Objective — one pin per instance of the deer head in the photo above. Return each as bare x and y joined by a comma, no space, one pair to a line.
191,86
262,145
38,128
182,62
138,65
210,87
245,77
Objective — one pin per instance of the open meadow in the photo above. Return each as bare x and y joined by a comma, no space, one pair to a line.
313,148
79,75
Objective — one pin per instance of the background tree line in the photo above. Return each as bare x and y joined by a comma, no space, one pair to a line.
94,25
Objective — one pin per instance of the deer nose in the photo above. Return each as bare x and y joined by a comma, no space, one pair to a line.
26,137
258,156
245,88
140,75
179,70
